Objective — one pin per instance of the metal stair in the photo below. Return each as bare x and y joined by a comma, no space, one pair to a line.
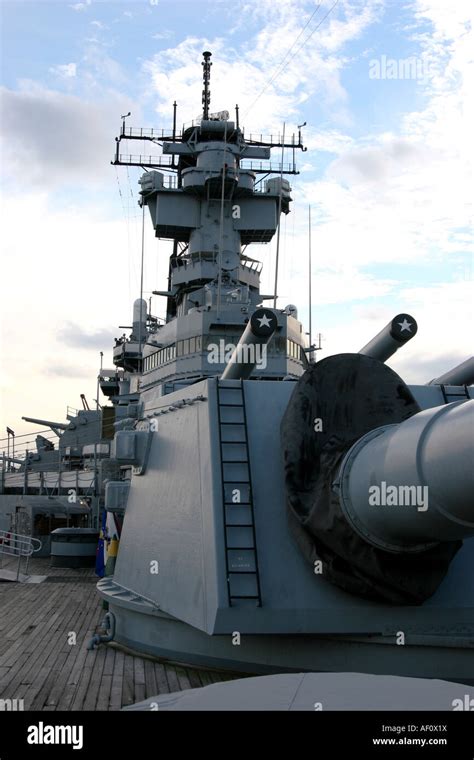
243,581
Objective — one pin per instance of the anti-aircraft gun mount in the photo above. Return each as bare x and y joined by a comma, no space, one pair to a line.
319,509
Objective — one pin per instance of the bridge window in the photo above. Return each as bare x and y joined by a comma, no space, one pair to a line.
293,350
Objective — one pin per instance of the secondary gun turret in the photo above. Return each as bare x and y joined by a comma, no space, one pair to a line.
56,427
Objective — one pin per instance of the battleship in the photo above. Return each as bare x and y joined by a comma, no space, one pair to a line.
269,513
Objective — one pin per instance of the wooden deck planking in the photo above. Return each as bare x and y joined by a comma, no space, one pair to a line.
68,689
193,677
139,673
52,666
83,636
39,665
93,687
35,656
162,685
27,621
67,656
205,678
115,701
151,688
173,682
128,681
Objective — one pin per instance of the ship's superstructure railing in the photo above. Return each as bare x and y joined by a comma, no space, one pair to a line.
18,545
51,483
163,135
197,258
150,161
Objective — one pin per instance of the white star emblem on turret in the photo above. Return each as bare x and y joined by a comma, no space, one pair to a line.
264,321
405,325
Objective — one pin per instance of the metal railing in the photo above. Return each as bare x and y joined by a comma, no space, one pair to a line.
149,160
17,545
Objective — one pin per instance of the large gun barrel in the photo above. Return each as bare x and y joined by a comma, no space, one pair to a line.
405,486
47,423
251,347
399,331
462,374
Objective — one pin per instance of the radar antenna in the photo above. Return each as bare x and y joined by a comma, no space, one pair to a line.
206,78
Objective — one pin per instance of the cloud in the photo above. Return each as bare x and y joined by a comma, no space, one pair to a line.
76,262
423,366
396,195
80,6
405,196
444,313
64,370
99,25
66,70
380,163
266,75
164,35
61,138
75,336
100,68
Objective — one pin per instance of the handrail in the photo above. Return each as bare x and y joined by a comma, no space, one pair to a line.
18,545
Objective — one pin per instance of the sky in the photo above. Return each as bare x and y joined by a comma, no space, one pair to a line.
385,88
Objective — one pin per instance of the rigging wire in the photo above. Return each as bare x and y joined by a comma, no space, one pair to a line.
129,241
281,65
23,435
288,53
221,228
134,218
275,290
141,282
127,220
316,28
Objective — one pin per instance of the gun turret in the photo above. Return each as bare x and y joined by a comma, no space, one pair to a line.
399,331
378,489
252,345
405,486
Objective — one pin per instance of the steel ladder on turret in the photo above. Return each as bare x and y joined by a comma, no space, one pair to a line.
243,581
453,393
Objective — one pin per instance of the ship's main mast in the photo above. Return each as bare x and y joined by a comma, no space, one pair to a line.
202,193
